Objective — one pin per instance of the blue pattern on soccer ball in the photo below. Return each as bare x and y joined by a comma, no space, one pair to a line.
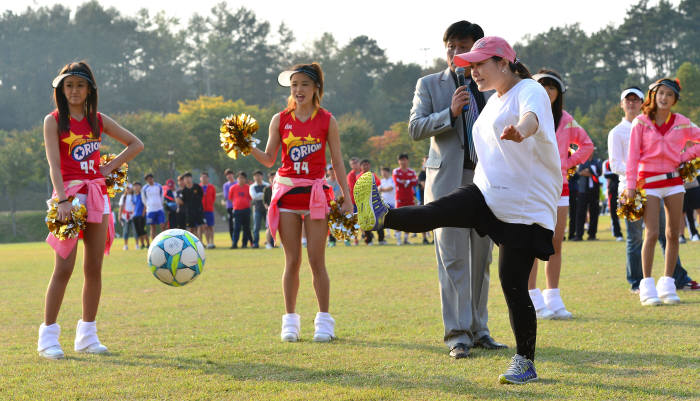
176,257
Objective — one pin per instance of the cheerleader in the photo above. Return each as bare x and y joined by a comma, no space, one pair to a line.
300,192
72,136
517,185
548,303
655,153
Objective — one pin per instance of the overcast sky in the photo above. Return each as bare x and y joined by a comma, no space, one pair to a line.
409,31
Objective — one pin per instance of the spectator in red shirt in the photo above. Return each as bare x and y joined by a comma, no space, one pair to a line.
353,175
405,179
239,195
209,191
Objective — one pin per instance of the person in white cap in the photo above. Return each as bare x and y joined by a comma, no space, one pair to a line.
656,150
517,185
72,137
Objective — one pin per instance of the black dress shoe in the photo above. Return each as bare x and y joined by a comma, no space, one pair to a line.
459,351
575,239
489,343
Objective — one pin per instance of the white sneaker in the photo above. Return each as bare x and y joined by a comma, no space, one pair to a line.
398,242
324,325
552,298
126,247
695,238
291,325
48,346
268,246
666,288
303,242
619,239
86,340
54,352
541,310
647,292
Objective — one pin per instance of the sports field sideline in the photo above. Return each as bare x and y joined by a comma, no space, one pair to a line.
218,337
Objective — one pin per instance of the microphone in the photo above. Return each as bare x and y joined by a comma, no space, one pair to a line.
461,82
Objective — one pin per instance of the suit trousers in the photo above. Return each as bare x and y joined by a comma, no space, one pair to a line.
463,259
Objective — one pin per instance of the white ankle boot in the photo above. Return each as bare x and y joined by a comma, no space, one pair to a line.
552,298
666,288
86,340
541,309
48,345
291,325
647,292
324,327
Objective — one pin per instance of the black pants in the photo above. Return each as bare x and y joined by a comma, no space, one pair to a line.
612,205
229,212
242,223
172,219
587,202
573,204
462,209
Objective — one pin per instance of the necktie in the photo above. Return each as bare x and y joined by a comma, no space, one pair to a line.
470,117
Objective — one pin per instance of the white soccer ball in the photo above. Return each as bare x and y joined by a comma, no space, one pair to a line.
176,257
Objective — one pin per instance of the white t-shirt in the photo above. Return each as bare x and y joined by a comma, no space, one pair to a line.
521,182
152,196
127,202
618,148
389,196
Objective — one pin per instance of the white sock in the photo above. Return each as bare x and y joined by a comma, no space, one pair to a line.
85,335
48,336
666,286
552,298
537,299
324,324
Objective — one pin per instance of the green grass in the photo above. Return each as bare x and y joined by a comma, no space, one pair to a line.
218,338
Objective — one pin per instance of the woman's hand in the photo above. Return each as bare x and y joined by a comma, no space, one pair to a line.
511,133
106,169
346,207
63,211
629,194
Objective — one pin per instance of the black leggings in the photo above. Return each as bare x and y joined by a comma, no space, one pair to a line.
464,208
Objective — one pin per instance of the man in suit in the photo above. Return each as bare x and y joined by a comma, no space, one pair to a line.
463,257
588,198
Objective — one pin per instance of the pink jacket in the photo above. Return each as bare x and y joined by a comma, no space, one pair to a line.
567,133
655,153
95,209
318,206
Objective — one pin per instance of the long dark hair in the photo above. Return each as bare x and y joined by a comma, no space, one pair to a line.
291,103
558,105
61,102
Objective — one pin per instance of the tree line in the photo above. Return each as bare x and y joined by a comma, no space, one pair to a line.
171,83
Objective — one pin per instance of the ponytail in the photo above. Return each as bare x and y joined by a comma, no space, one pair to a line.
516,67
519,69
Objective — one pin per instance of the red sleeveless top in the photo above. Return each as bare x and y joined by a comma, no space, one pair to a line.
304,144
79,150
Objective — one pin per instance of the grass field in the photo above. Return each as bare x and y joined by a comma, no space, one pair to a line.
218,338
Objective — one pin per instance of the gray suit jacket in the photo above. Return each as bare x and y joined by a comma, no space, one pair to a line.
430,118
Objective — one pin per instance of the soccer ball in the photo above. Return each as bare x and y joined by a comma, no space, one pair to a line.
176,257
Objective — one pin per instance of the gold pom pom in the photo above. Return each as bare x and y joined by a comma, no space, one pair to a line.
571,171
72,226
343,227
116,180
632,209
690,169
236,135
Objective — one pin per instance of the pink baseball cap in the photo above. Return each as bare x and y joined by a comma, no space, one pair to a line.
485,48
